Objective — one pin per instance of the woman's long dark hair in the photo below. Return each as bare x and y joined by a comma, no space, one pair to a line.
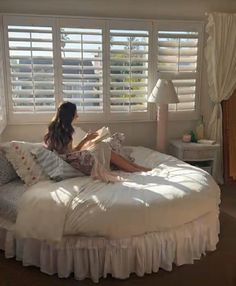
60,129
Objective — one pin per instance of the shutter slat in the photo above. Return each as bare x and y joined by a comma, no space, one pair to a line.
176,59
128,68
85,33
82,92
125,60
187,106
127,76
83,67
72,77
15,39
127,100
127,92
85,42
127,34
186,97
128,52
33,108
178,35
79,50
140,43
82,84
175,44
91,59
182,52
127,84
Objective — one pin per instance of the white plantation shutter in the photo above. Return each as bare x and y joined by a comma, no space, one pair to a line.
31,68
177,59
2,99
82,68
2,89
107,67
128,70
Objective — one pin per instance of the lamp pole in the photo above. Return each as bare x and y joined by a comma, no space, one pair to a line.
162,94
162,127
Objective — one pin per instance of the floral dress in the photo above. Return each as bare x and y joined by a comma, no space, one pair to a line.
95,161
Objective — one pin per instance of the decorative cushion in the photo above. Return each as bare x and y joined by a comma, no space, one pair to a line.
54,166
24,163
7,172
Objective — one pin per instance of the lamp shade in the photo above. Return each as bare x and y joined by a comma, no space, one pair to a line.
163,92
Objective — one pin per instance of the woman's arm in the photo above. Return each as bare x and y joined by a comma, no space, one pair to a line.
87,138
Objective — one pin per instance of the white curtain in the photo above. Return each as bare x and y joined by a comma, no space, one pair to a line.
221,70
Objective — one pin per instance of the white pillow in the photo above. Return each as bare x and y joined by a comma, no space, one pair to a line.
54,166
24,163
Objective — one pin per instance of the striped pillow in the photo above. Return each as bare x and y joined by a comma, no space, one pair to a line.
54,166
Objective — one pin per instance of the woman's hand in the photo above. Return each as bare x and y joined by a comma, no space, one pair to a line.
91,135
86,141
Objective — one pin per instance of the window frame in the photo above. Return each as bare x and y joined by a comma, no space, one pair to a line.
26,117
87,24
130,25
188,26
106,24
3,109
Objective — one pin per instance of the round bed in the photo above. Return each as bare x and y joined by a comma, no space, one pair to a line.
145,222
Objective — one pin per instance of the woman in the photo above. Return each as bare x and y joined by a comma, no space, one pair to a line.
86,156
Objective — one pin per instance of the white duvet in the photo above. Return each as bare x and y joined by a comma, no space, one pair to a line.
172,194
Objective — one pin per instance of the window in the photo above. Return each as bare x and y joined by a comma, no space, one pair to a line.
106,67
128,70
31,68
178,53
82,68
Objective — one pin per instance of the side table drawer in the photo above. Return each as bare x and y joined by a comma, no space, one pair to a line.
198,154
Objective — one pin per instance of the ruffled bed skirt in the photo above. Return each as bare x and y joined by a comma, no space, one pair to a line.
95,257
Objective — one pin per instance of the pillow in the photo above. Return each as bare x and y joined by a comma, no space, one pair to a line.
54,166
7,172
24,163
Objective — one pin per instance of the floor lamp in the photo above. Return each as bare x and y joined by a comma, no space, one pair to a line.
162,94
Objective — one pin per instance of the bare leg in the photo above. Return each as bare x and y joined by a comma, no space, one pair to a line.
126,165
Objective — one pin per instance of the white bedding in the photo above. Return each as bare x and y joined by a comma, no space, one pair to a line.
10,194
170,195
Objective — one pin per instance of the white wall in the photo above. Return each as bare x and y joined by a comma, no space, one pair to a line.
136,133
171,9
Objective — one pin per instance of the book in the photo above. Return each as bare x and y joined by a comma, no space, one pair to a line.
78,135
205,141
103,133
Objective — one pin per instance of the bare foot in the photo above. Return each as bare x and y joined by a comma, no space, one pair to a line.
141,168
146,169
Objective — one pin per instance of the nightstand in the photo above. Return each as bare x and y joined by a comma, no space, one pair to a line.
200,155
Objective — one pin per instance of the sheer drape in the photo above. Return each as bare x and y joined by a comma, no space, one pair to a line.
221,70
